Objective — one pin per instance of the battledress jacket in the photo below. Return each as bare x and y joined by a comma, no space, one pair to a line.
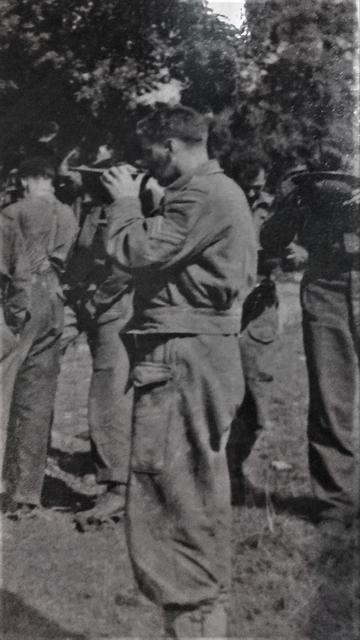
195,262
315,211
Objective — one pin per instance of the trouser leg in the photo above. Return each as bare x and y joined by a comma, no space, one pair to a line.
257,347
9,356
34,397
244,433
187,390
71,329
333,368
110,402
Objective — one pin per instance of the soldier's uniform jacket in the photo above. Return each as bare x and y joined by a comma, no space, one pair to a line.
315,210
95,281
49,229
192,265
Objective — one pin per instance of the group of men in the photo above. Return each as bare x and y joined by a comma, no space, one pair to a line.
162,296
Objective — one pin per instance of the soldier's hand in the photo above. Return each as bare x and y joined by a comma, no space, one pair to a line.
119,183
65,169
297,255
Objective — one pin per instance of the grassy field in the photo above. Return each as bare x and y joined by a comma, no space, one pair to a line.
59,583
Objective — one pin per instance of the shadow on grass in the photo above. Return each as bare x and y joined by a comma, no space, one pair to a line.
57,494
19,621
304,507
79,463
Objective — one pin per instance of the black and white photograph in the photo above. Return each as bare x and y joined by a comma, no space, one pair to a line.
180,319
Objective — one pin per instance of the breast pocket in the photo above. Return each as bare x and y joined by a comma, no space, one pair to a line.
154,396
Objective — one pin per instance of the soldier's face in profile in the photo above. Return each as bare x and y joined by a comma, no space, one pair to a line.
159,160
256,186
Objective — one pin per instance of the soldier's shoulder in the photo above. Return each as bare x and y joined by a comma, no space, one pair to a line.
9,225
12,210
62,206
64,210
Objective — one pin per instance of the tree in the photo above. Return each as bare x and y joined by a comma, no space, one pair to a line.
302,88
283,82
96,59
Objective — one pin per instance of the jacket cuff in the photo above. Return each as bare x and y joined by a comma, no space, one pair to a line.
125,209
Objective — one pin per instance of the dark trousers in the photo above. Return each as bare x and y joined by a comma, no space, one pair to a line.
33,395
257,348
331,314
110,400
187,391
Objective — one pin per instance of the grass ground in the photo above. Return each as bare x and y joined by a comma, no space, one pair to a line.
59,583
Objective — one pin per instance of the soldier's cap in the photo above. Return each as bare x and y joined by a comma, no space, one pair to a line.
37,167
315,176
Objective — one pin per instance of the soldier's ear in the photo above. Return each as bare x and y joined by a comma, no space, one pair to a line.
173,145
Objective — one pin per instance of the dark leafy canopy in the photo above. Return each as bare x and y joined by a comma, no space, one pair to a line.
303,92
90,60
284,81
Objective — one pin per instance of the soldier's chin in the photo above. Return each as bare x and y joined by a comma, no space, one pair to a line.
166,178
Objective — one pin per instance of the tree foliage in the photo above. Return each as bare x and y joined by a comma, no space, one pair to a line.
286,79
100,57
301,64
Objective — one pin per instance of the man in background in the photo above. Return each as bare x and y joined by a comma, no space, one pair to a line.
318,209
15,284
259,329
99,303
48,228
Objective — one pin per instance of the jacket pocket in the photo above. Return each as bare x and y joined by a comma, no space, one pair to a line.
265,327
154,392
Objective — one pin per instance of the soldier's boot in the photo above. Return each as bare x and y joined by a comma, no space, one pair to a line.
109,507
209,621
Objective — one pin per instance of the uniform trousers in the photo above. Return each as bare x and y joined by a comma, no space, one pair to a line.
8,367
187,391
110,399
32,392
258,347
331,328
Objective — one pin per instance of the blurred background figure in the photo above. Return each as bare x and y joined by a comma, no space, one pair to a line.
319,208
99,304
49,230
15,284
259,329
45,143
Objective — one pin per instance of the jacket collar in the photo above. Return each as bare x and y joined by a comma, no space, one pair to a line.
207,168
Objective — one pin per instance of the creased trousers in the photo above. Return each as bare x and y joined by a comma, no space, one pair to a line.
187,390
331,326
258,344
33,395
110,400
8,366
